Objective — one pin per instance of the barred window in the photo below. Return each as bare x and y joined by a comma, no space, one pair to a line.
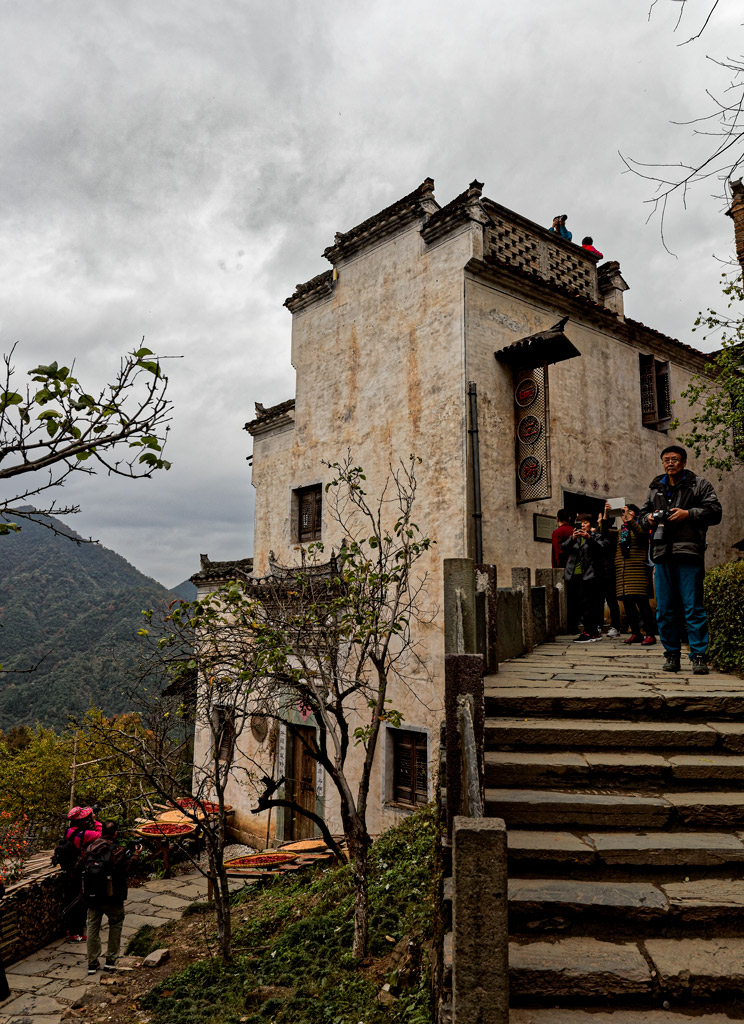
656,399
309,512
410,767
223,725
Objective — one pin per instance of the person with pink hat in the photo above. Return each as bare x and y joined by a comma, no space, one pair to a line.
82,830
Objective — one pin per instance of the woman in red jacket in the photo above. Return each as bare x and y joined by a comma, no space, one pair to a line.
83,830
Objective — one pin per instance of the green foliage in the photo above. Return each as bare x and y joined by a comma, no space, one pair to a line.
72,611
717,404
145,940
299,936
724,601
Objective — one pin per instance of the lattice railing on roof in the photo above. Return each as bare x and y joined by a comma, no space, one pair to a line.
517,245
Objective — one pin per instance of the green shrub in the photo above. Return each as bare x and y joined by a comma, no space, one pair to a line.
724,600
144,941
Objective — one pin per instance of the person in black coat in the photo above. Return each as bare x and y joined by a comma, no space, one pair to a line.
586,555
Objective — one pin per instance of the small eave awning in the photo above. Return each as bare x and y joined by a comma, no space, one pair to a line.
551,346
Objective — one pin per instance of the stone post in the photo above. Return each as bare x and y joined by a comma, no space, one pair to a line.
544,578
459,606
522,580
463,674
480,957
561,601
487,595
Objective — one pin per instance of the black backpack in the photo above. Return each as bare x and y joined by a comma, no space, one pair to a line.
66,853
98,881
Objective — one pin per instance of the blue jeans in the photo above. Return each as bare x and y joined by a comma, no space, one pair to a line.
679,592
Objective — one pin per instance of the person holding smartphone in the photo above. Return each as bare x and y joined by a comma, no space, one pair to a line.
586,549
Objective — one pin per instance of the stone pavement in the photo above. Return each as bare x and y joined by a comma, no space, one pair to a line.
49,981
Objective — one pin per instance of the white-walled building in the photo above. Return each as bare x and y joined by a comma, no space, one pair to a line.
432,321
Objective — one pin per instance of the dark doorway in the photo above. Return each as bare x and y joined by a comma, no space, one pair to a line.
574,502
302,781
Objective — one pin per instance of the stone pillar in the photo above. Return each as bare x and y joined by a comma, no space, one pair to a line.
612,286
561,601
463,674
486,596
480,957
459,606
522,580
544,578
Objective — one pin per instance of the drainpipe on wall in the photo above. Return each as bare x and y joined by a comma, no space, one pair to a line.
477,512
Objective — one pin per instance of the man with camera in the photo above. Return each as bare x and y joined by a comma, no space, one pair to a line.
678,511
105,869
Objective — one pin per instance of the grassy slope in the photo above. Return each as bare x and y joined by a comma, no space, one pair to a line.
297,935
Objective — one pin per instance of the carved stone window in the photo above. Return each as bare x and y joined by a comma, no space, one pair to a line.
656,399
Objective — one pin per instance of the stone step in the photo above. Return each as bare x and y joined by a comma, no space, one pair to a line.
595,972
645,906
631,701
644,1016
581,734
533,768
625,849
536,808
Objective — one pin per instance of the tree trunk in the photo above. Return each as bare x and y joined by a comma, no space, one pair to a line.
222,906
361,899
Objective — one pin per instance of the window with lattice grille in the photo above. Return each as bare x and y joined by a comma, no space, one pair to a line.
309,512
223,724
656,399
410,767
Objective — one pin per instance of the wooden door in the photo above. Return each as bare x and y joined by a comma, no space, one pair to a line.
302,783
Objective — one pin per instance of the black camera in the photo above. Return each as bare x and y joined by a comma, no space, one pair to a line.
661,518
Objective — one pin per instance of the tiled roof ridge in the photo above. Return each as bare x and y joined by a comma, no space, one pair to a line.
398,213
237,568
321,284
264,415
460,209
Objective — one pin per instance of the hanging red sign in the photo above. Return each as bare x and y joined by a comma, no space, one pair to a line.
530,470
526,392
529,429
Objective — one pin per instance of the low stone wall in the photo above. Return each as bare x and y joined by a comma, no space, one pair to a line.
31,912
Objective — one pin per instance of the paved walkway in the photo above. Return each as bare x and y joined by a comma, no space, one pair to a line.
46,983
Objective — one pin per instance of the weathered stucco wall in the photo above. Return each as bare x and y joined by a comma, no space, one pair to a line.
380,371
596,433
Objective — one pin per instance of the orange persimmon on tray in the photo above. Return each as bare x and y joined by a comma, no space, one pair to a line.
305,846
164,829
260,860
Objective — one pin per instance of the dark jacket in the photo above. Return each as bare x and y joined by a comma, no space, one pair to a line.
590,555
685,539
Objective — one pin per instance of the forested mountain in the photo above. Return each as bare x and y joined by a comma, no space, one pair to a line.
76,609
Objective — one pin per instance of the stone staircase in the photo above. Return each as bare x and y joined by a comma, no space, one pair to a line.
622,788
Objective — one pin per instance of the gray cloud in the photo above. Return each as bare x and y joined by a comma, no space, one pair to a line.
174,169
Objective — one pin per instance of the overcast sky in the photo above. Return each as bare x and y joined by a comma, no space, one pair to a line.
173,168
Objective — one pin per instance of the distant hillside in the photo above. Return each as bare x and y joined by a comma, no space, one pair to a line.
186,591
77,606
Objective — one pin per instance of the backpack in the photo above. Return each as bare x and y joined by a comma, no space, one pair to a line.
98,881
66,853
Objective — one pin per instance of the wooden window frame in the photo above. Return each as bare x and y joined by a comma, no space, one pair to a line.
310,499
410,767
656,398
